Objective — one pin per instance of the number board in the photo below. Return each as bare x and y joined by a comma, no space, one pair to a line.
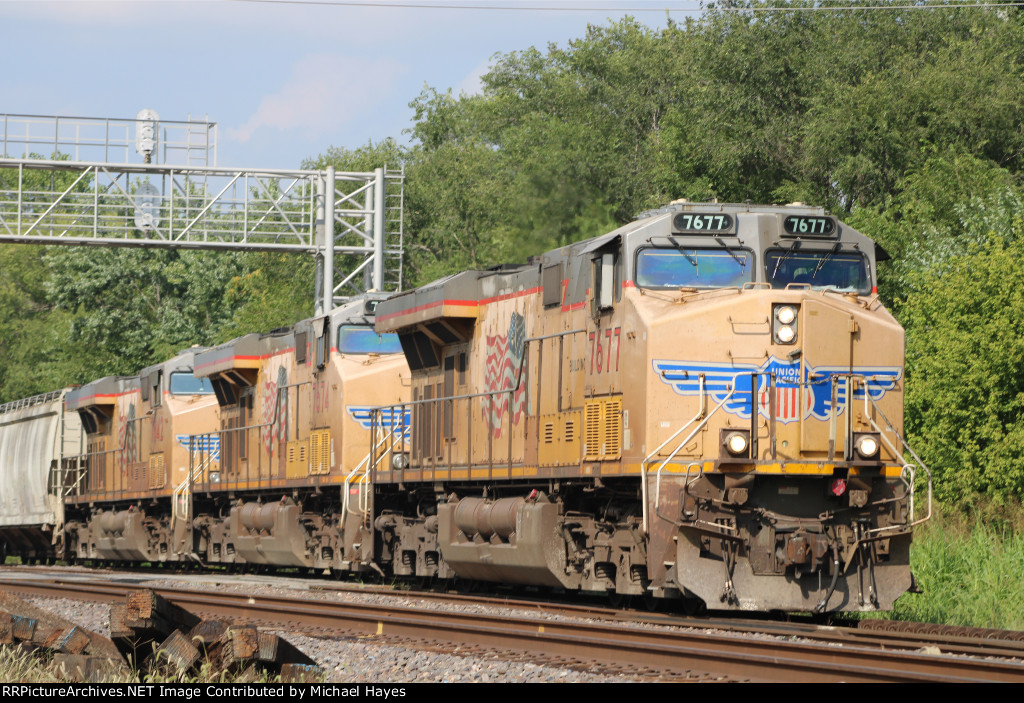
810,226
702,223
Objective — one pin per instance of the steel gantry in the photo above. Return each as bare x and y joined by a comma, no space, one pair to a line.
351,221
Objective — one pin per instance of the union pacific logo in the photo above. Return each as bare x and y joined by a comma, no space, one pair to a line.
816,401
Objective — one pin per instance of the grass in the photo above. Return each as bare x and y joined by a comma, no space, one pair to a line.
970,567
18,666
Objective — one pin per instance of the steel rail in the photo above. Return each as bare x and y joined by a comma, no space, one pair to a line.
893,634
671,651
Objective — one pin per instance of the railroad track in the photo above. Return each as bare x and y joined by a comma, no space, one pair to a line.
966,641
645,647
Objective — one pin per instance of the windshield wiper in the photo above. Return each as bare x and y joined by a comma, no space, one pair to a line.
789,252
828,255
679,248
741,262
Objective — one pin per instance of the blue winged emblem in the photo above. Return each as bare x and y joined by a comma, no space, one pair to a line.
206,443
391,418
790,403
684,377
875,380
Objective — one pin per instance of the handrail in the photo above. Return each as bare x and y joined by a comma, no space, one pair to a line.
79,470
908,469
183,487
364,466
698,428
13,405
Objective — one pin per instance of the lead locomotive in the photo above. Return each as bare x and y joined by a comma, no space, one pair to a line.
706,403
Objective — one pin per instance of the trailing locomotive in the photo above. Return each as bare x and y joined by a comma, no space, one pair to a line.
704,404
127,494
252,452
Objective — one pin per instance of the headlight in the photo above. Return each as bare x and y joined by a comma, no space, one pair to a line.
784,323
785,314
399,461
736,442
867,444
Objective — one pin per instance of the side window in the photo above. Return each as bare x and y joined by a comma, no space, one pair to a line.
322,330
156,381
607,286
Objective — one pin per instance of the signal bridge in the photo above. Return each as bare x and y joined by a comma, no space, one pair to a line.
77,195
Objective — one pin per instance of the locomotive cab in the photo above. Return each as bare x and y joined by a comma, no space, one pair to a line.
776,460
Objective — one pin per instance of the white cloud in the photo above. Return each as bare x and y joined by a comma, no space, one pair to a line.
322,92
471,84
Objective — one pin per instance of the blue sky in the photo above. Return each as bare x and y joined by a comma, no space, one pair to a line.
283,82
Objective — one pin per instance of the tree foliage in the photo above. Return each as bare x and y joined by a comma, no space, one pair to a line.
132,307
965,322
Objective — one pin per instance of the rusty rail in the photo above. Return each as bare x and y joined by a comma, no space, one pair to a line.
666,650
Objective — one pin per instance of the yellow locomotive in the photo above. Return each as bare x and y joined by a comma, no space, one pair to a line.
706,403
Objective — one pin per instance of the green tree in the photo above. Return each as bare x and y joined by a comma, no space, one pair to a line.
965,350
133,307
835,107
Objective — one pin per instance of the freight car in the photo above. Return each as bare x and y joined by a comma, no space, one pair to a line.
36,435
704,404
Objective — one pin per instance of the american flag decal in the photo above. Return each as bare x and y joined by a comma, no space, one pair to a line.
504,357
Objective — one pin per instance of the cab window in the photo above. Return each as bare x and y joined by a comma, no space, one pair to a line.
357,339
693,267
187,384
843,271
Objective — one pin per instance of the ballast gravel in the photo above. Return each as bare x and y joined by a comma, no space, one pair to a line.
359,661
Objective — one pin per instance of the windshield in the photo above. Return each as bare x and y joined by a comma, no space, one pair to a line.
693,268
187,384
820,269
355,339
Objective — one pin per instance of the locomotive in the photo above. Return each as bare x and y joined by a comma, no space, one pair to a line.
705,404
